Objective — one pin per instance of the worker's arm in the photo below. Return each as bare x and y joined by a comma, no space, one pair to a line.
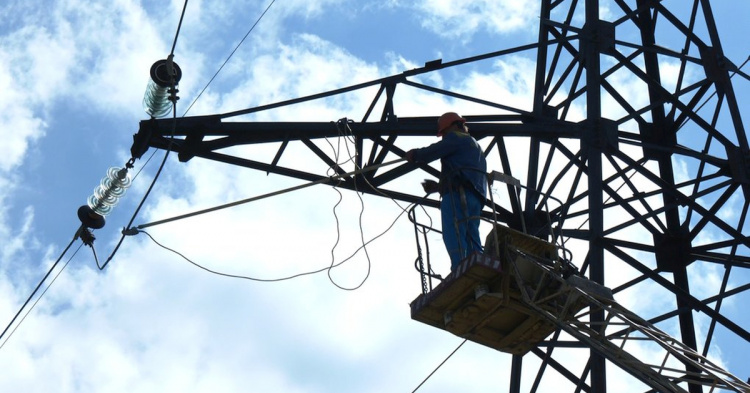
434,151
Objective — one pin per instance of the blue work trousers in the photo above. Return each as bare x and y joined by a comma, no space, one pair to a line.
461,224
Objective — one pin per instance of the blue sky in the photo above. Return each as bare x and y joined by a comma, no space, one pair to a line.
73,77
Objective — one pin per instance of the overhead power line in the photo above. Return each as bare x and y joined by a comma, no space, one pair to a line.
179,25
77,235
173,98
228,57
40,296
43,280
129,229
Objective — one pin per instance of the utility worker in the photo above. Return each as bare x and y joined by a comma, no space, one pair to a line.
462,186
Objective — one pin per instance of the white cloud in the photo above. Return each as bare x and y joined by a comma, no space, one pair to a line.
18,123
150,305
152,321
316,66
461,19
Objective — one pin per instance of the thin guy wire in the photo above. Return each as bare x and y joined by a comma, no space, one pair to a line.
227,60
144,165
440,365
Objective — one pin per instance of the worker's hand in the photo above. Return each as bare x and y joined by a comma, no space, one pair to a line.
410,155
430,186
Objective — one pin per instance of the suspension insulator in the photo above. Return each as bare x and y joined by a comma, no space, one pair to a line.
110,190
156,100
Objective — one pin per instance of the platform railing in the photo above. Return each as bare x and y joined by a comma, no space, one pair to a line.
553,296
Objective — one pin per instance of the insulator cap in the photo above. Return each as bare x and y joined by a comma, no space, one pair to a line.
89,218
161,75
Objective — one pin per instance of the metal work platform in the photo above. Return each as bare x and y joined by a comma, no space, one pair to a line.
470,303
515,297
481,302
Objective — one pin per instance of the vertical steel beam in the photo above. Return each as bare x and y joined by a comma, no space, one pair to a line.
515,374
667,132
591,53
726,87
540,88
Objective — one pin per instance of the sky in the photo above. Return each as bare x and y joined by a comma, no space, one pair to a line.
72,77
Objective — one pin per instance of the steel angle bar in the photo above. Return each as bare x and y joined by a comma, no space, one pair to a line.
681,294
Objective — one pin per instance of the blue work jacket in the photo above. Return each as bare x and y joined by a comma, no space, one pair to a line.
461,159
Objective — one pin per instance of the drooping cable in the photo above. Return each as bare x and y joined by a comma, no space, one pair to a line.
229,57
132,231
345,133
330,172
439,365
348,138
364,178
335,245
136,231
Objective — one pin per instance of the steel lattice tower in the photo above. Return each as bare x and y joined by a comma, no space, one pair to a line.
634,126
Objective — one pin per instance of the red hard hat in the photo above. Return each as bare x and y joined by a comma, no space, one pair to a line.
447,120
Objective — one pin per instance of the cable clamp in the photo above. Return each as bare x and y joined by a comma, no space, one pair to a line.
130,231
87,237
